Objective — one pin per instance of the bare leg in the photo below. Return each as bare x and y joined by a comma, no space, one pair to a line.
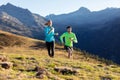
69,53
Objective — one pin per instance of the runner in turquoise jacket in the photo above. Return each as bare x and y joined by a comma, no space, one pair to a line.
49,38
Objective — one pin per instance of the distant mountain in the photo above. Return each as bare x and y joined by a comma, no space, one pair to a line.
98,32
103,41
85,16
24,15
12,24
21,21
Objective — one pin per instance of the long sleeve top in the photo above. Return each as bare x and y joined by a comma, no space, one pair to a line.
49,34
69,38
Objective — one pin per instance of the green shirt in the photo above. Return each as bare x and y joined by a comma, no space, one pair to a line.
69,38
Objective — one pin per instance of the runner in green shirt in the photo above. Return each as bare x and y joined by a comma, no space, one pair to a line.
69,37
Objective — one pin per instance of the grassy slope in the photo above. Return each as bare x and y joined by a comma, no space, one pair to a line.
27,53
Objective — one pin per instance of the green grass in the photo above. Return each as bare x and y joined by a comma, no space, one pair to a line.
26,59
29,55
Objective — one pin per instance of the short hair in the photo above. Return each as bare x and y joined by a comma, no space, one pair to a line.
68,27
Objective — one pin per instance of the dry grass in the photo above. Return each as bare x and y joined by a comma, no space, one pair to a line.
33,53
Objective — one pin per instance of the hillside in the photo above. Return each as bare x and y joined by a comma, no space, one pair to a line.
28,60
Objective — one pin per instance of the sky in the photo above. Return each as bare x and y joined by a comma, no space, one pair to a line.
46,7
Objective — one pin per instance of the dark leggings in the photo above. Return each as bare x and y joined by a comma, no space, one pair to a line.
50,47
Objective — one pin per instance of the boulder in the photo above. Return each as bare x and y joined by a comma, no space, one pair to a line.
37,69
66,70
6,65
41,73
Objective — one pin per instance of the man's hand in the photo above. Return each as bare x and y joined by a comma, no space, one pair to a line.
71,39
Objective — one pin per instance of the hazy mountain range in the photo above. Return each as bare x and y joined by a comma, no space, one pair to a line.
98,32
21,21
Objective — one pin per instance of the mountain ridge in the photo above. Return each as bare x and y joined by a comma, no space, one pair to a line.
21,21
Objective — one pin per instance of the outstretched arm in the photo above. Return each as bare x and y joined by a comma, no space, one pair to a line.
61,38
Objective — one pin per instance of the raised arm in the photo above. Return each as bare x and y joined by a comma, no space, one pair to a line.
61,38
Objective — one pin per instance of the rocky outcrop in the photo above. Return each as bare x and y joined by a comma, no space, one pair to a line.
4,64
66,70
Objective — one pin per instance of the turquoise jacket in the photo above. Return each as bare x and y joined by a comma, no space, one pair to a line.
49,34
